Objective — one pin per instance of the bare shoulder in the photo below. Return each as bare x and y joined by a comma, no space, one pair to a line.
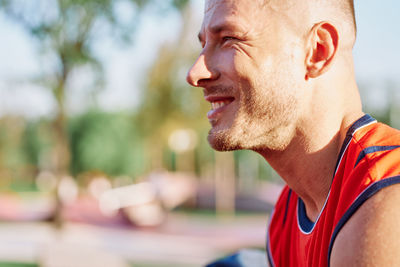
371,237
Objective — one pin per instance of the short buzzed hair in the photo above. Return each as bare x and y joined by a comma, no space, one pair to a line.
346,14
344,7
347,6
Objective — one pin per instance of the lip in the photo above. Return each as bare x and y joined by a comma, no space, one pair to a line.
213,114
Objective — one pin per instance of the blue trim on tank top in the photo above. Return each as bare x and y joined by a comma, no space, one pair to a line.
373,149
306,224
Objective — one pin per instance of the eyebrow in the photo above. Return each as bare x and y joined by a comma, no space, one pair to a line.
219,28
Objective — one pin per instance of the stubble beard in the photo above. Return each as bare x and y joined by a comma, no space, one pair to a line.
261,123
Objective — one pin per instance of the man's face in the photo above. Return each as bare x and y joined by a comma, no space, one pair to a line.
249,67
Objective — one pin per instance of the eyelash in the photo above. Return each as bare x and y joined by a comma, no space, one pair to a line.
228,38
224,39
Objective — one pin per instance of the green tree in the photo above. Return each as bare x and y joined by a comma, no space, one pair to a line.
13,160
66,31
168,101
106,142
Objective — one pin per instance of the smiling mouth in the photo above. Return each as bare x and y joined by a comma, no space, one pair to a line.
217,107
219,104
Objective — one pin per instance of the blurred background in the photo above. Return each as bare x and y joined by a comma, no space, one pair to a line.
103,152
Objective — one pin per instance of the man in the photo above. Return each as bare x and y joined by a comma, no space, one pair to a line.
280,80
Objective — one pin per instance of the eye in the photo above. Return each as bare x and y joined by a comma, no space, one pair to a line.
228,38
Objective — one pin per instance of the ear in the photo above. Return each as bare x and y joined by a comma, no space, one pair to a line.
323,44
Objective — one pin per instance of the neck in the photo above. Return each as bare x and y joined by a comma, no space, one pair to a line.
308,163
307,171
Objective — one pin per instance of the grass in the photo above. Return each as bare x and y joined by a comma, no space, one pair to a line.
17,264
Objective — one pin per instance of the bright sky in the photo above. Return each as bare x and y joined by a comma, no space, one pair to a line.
377,49
376,60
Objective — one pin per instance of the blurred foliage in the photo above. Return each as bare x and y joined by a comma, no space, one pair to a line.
18,264
17,171
66,31
37,143
168,102
112,143
106,142
100,141
11,136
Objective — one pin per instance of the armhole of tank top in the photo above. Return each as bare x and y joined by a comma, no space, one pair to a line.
268,246
287,206
365,195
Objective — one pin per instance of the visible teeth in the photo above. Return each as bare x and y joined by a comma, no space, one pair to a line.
217,104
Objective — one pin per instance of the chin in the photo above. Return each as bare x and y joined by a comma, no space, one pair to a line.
223,141
233,139
222,146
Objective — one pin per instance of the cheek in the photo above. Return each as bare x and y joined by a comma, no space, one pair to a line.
231,63
260,73
255,64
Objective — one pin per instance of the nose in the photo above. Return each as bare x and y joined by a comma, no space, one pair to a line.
200,72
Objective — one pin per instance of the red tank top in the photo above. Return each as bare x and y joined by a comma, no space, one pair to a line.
368,161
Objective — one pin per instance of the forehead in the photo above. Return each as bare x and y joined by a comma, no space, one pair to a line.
230,7
257,15
233,4
235,12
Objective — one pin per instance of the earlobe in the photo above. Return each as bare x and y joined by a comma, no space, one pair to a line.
322,47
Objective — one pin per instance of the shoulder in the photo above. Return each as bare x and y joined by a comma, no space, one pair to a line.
376,152
371,237
377,135
369,232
